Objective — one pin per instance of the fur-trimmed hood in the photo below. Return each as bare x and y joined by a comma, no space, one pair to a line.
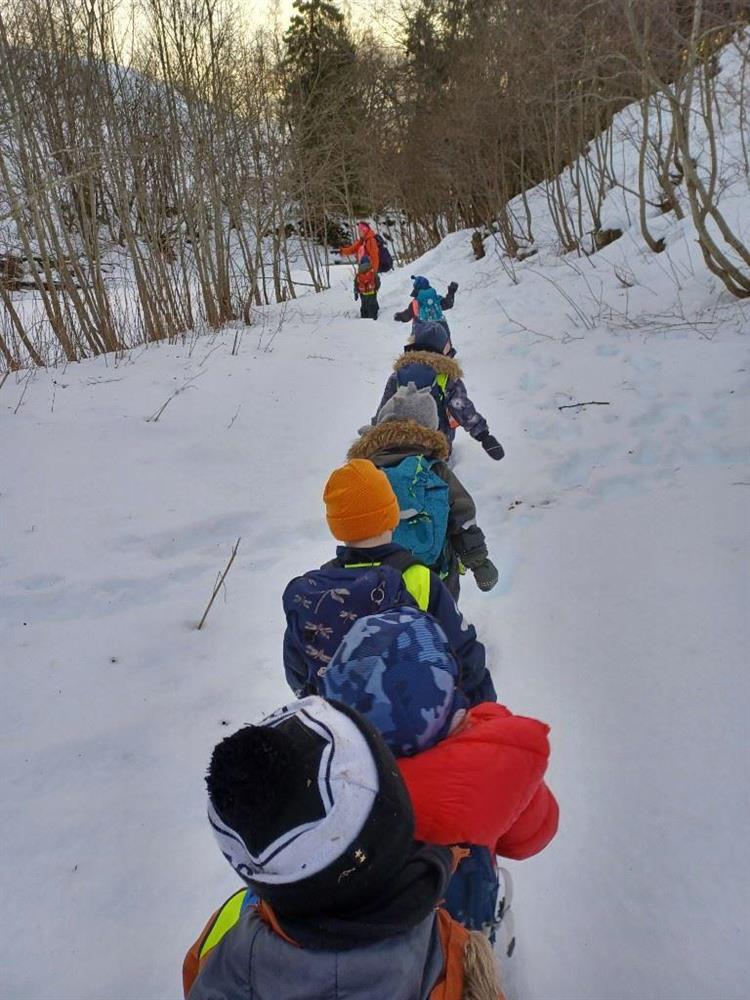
439,363
400,434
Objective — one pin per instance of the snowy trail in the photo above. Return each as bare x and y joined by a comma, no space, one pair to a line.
621,618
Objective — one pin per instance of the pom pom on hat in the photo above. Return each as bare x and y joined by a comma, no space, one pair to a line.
309,808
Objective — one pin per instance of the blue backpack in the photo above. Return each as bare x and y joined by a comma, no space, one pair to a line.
386,260
322,605
430,310
425,505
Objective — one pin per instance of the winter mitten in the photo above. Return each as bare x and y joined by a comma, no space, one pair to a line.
356,296
453,287
492,446
486,575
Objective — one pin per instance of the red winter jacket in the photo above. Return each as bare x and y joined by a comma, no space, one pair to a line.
483,784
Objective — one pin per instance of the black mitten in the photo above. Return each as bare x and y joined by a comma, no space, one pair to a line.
492,446
486,575
453,288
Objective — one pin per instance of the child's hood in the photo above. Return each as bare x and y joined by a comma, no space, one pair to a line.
440,363
400,434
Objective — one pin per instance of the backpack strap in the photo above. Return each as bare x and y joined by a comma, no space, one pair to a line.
416,576
401,560
453,940
222,921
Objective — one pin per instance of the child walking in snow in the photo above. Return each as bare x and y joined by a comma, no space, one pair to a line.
426,305
368,574
339,900
474,775
424,362
406,443
366,288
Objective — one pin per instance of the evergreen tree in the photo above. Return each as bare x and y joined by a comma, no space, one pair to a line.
324,107
319,57
438,35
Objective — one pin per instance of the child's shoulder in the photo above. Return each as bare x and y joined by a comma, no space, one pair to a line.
487,711
494,723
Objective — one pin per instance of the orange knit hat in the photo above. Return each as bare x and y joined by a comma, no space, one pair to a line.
359,502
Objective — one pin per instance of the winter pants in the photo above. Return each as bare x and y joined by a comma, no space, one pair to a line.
453,580
368,306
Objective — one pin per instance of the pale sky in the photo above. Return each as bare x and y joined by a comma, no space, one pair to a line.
370,14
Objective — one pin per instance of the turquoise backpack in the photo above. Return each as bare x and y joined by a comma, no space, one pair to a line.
424,503
430,310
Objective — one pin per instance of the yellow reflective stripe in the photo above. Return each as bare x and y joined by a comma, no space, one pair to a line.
225,920
417,582
359,565
442,381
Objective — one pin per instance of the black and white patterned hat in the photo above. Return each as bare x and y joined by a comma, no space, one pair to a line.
309,808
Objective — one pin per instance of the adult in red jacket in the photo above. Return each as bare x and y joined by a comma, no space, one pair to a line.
366,245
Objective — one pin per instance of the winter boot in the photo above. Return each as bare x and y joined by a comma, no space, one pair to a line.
503,932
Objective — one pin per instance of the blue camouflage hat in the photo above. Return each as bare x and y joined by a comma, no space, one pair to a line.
420,283
397,669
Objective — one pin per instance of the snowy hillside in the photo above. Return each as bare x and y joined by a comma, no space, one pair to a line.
620,531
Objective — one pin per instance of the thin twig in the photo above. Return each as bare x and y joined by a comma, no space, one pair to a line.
234,417
186,385
27,382
208,355
591,402
219,582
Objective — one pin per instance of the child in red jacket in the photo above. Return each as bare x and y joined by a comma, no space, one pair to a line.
366,288
475,775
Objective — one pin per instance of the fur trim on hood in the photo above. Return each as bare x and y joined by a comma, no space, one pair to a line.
399,434
439,363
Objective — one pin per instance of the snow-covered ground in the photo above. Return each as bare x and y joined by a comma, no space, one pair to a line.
621,618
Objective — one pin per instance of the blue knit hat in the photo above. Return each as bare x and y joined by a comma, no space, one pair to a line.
398,671
428,335
420,283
